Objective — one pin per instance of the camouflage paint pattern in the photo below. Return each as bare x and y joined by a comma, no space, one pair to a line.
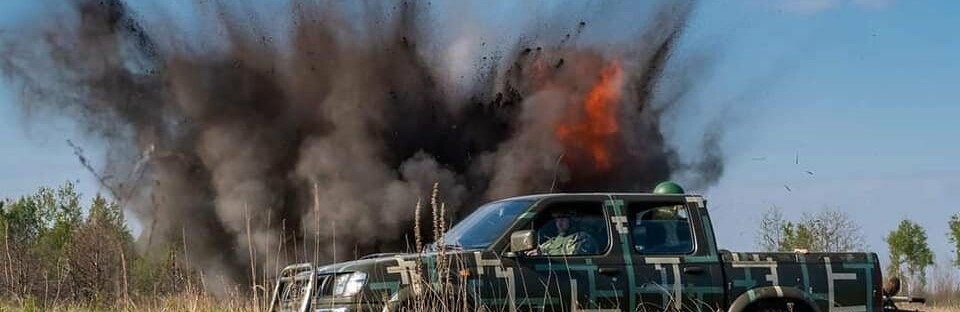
619,279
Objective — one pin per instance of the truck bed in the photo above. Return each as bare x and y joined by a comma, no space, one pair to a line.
846,282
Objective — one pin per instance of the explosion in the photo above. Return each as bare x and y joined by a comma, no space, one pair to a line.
258,136
589,129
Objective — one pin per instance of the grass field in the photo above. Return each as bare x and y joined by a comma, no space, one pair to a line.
930,308
210,304
165,304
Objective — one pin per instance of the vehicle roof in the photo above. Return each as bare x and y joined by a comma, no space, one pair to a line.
554,195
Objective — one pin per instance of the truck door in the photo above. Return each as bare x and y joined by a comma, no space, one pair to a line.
572,268
675,264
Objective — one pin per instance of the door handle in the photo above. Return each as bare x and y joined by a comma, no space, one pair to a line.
693,270
608,271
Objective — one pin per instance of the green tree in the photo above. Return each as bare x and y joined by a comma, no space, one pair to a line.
908,248
108,214
797,236
61,213
954,236
827,230
21,221
37,227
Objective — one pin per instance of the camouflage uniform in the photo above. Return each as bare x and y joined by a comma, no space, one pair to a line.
578,243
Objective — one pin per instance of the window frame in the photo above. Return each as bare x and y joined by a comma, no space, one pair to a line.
650,205
547,205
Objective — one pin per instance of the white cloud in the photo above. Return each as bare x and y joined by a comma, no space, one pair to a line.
814,6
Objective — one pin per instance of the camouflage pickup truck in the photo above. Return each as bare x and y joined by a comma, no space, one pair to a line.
587,252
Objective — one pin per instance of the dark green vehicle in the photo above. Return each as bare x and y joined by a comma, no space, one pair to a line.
587,252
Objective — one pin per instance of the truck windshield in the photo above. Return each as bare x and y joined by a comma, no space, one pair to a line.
483,226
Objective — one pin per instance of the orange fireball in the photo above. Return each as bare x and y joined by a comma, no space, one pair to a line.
590,126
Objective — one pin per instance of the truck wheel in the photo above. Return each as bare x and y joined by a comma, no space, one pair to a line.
778,305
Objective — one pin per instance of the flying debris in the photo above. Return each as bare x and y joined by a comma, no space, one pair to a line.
238,120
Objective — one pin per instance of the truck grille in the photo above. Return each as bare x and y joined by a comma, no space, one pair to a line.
293,292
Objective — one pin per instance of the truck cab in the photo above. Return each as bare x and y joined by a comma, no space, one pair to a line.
593,251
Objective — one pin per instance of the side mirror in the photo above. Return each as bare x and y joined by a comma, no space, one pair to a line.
522,241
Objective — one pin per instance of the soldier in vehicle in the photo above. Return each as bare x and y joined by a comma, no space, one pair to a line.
663,229
569,240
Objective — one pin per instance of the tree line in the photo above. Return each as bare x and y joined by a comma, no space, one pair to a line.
832,230
55,249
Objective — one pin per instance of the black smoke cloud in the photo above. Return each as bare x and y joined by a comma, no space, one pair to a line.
261,136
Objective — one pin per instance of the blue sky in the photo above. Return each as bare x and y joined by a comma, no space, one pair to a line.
864,91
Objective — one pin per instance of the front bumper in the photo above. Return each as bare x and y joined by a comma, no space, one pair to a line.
344,305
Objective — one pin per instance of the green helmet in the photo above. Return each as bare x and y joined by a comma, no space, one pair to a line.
668,187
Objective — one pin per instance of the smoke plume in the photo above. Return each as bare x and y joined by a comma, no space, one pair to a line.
265,137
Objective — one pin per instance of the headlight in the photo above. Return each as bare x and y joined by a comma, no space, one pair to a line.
349,284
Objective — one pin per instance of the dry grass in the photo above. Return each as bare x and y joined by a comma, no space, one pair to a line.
944,287
177,303
930,307
942,292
